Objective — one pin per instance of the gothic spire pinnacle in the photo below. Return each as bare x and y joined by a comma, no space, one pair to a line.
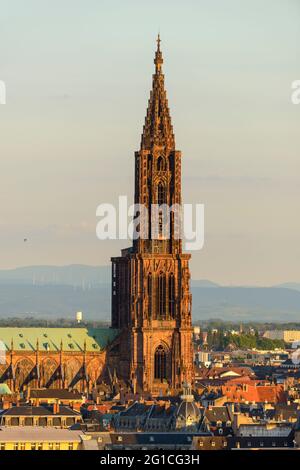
158,60
158,40
158,130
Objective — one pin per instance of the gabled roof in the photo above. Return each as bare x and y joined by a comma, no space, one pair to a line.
136,409
38,434
161,411
50,393
223,372
217,413
153,438
27,410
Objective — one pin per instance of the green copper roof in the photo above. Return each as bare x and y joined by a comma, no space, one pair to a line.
4,389
49,339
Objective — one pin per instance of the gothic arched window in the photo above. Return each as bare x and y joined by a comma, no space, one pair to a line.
24,373
149,287
172,296
161,194
161,296
160,164
160,363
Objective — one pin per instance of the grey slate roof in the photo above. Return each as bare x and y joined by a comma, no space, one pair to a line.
42,410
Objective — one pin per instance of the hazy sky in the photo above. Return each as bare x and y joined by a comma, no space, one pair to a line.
78,75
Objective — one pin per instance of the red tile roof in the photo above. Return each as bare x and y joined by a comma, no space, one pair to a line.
253,391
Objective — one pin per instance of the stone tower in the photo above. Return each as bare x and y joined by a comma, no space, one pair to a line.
151,299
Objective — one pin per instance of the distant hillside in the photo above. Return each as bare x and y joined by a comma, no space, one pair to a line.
246,304
54,291
290,285
203,283
54,301
73,275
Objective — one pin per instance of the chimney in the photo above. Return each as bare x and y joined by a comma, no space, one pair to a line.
56,408
236,421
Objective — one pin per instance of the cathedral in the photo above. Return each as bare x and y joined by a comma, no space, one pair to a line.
149,344
151,299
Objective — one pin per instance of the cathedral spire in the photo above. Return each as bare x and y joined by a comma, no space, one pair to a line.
158,130
158,60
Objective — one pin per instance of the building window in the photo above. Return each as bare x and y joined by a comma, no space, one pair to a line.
22,446
114,269
161,194
149,294
120,439
70,421
40,446
57,446
33,446
16,446
172,296
70,446
161,296
28,421
51,446
160,223
160,164
160,364
2,445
